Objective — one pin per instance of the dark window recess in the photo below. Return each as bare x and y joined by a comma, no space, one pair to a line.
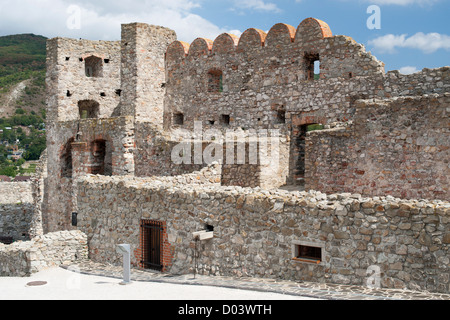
93,67
281,116
178,119
88,109
209,228
102,94
151,244
67,58
119,92
101,158
66,160
215,81
69,94
225,119
6,240
308,253
211,122
106,60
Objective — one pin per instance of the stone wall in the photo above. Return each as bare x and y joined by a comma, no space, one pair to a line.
16,210
22,259
397,147
256,231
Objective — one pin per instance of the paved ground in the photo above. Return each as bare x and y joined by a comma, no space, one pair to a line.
93,281
64,284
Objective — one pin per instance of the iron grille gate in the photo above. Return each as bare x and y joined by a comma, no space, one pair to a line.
151,232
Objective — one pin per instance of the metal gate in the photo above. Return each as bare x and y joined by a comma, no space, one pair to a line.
151,237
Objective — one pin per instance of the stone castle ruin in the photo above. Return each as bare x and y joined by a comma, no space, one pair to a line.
369,188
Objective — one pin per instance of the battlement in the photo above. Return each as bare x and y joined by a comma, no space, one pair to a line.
300,47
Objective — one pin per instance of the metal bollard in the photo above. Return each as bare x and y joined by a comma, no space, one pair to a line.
125,250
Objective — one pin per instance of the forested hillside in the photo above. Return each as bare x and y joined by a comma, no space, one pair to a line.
22,100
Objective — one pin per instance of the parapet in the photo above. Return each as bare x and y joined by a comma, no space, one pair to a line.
312,38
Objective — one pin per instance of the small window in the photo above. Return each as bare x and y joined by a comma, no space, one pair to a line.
281,116
215,81
225,119
312,66
178,119
306,253
88,109
211,122
93,67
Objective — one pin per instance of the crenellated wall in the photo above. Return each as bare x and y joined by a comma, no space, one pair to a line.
261,74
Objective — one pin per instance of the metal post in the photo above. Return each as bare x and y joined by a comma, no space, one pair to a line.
125,250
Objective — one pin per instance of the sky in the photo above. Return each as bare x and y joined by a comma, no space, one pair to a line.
407,35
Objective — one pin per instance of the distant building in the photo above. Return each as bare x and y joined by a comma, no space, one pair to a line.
5,179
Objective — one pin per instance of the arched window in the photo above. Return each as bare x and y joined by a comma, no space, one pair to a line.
93,67
88,109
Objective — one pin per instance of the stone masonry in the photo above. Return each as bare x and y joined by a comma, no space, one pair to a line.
375,170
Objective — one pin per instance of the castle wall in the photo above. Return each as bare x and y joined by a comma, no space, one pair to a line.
72,154
22,259
16,210
397,147
256,232
68,83
143,49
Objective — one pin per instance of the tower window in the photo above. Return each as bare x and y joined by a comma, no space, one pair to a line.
93,67
88,109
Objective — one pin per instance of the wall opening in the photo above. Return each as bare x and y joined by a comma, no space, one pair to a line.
312,66
101,155
93,67
281,116
301,149
88,109
225,119
66,160
215,81
307,253
178,119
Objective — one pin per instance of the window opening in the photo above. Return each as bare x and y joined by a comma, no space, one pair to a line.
215,81
308,253
88,109
93,67
178,119
312,66
225,119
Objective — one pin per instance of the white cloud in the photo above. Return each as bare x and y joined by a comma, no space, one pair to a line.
101,20
408,70
428,43
258,5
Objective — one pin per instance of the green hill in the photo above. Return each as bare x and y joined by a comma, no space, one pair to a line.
22,73
22,99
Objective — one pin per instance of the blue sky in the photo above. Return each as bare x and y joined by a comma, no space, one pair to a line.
413,34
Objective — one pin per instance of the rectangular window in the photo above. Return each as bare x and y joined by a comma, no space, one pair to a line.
178,119
225,119
308,253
